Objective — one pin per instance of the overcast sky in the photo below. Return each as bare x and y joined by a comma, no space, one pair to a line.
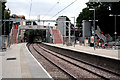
45,8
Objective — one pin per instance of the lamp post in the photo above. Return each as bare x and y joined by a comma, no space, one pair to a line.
9,26
4,22
39,19
63,32
48,31
115,29
74,31
94,27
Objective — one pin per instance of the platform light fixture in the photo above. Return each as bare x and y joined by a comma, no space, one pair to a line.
74,30
115,28
94,25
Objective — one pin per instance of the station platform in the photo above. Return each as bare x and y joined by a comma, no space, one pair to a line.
18,62
109,53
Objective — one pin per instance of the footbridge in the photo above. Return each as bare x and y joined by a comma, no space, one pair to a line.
34,27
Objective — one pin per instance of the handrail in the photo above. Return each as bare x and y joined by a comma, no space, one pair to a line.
101,36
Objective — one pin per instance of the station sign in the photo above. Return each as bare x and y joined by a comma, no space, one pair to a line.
24,27
92,39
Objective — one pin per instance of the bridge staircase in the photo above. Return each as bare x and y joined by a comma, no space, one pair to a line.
101,36
14,34
57,37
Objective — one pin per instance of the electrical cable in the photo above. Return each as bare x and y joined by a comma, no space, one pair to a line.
63,9
52,8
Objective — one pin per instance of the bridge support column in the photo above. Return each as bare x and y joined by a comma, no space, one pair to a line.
69,38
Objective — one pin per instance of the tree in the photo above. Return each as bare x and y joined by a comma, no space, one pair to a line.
7,16
105,22
67,23
35,34
84,15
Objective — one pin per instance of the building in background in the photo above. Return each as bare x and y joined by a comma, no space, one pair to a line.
86,32
86,29
61,24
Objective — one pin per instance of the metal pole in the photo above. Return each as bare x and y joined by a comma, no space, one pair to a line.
4,23
63,33
69,32
18,35
74,31
115,31
9,33
94,29
12,33
43,23
46,36
39,19
0,18
48,32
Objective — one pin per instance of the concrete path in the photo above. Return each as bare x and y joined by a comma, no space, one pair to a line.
111,53
0,65
18,62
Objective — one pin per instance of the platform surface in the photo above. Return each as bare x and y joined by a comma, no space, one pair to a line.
18,62
109,53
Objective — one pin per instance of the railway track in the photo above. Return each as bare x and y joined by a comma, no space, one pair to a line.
74,67
106,64
53,70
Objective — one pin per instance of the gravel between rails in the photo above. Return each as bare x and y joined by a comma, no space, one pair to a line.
103,73
76,71
55,72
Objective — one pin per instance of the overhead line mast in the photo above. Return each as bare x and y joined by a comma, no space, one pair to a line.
30,8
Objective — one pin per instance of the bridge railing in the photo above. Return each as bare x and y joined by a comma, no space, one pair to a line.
101,36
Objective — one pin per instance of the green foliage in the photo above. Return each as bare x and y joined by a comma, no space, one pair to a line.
105,22
7,16
3,8
84,15
37,34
